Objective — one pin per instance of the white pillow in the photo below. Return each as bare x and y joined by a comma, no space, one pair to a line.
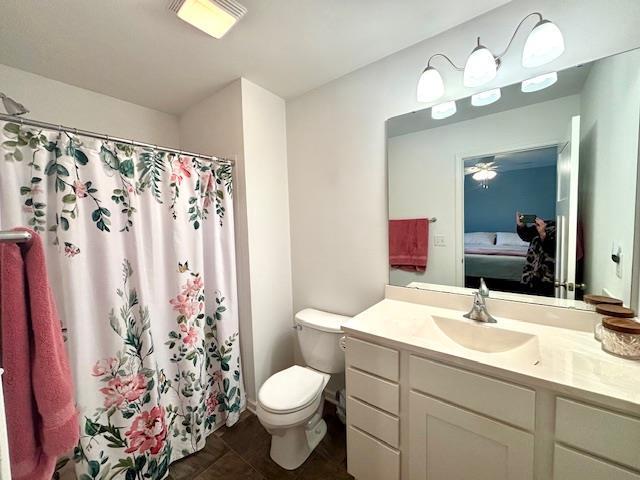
480,238
510,239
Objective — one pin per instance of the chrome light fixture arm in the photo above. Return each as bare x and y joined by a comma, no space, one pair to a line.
515,32
459,69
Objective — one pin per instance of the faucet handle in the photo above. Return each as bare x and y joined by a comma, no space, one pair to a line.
483,290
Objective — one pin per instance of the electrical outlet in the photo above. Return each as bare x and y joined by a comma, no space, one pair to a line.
438,241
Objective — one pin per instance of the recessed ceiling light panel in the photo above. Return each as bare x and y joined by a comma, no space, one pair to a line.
213,17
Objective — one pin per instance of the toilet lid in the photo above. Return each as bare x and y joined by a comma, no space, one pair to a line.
291,389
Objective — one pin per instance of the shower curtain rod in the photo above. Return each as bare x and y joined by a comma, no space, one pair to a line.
101,136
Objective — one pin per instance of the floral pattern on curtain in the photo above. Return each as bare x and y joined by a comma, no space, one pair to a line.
141,257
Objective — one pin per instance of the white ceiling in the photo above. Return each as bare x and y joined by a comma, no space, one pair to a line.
141,52
524,160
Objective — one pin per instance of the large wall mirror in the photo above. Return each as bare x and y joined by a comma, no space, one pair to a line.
535,192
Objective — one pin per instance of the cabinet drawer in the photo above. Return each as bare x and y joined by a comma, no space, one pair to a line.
571,465
601,432
504,401
381,361
373,421
375,391
369,459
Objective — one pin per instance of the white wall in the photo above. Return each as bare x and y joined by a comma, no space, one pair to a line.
608,165
247,122
56,102
336,142
422,171
267,197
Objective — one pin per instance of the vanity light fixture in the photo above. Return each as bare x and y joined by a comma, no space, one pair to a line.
543,45
481,67
430,85
443,110
213,17
539,83
485,98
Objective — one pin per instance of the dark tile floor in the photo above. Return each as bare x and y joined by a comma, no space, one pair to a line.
242,452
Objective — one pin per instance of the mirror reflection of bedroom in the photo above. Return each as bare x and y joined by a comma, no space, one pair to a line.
562,151
509,220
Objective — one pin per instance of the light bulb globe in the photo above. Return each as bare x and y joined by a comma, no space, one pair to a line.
430,85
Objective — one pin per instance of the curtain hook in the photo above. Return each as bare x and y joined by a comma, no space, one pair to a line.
107,138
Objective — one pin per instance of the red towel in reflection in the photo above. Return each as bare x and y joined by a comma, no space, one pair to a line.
409,244
42,421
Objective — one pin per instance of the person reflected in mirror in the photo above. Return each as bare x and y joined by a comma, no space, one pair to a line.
538,273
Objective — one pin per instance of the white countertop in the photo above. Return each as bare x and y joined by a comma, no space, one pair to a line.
570,361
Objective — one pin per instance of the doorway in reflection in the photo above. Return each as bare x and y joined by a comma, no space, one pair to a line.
510,221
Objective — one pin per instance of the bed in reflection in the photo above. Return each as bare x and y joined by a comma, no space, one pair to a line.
498,257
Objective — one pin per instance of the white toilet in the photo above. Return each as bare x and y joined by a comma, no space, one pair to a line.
290,402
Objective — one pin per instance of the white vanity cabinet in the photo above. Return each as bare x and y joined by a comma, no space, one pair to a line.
373,408
447,442
453,431
410,417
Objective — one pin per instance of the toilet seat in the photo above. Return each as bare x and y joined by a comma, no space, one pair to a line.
291,390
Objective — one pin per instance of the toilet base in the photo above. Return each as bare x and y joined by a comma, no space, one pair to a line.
292,446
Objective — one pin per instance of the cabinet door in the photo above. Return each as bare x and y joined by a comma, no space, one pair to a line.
449,443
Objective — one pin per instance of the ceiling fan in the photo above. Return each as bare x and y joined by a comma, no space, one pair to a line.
482,172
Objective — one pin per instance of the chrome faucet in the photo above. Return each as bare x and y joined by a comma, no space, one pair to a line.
479,311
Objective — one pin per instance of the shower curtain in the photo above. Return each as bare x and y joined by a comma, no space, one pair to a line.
140,251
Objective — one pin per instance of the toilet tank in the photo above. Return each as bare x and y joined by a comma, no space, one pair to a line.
319,336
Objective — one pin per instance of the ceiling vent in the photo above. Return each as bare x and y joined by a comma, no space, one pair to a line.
214,17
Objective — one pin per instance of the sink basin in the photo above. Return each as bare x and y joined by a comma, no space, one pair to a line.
482,340
482,337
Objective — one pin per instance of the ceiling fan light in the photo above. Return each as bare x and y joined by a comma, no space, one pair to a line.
480,68
430,85
544,44
539,83
443,110
485,98
484,175
214,17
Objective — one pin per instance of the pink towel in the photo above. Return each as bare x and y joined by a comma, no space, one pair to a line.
42,421
409,244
